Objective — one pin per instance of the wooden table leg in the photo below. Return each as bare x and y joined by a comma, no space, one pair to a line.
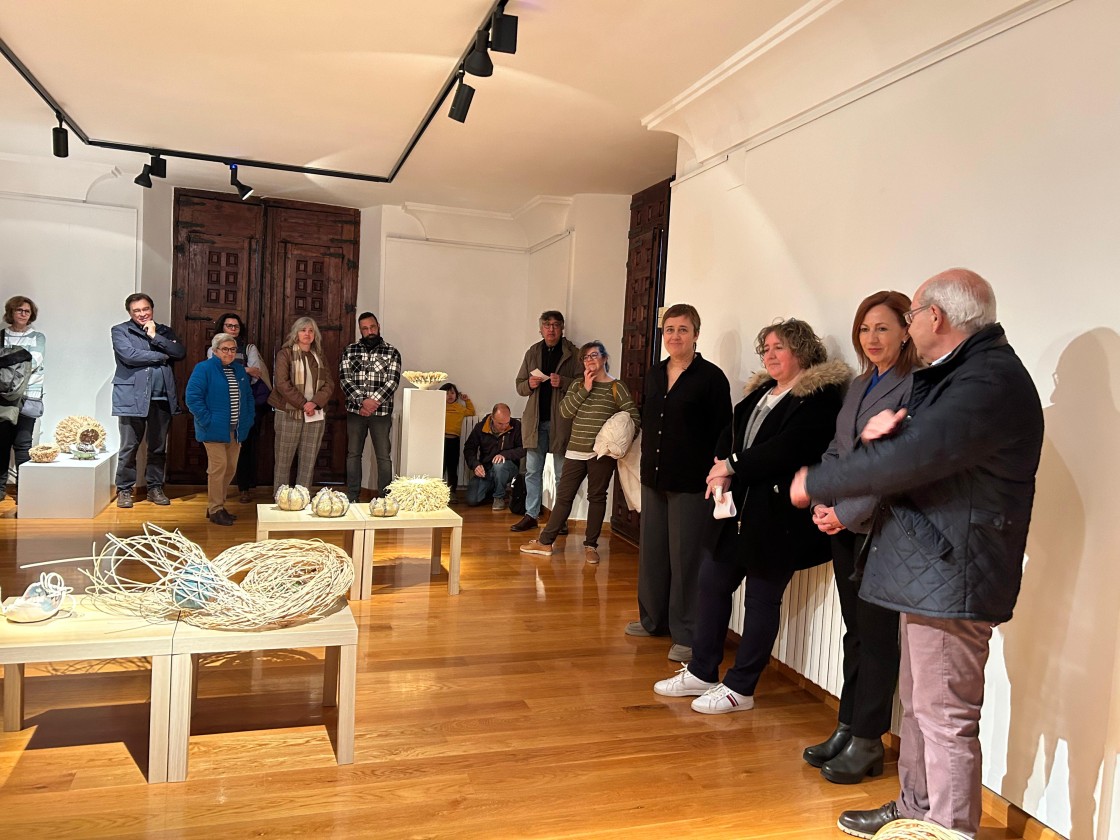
159,719
179,718
453,566
367,565
330,677
262,532
347,683
437,550
13,697
358,558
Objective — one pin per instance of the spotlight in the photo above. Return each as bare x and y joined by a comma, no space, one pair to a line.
464,93
503,33
60,139
243,190
144,179
158,166
478,63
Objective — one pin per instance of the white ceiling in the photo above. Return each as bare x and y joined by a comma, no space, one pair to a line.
342,84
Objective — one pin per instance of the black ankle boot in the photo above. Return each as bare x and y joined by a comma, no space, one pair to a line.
818,754
861,757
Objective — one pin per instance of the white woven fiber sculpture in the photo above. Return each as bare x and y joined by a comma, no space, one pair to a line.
44,453
252,586
424,379
69,428
420,493
916,830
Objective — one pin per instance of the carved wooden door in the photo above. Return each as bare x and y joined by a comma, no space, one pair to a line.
217,270
641,334
313,263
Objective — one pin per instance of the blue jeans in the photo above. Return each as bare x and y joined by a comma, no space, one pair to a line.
378,428
534,471
498,477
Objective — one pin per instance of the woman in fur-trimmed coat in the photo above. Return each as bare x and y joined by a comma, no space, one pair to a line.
787,419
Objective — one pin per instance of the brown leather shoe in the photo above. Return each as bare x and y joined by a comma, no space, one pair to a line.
866,823
157,497
524,523
124,498
220,517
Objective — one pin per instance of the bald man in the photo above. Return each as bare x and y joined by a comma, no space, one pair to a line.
955,474
493,452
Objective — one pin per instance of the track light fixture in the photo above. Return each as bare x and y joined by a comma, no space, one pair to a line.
503,33
478,63
243,190
144,179
461,103
158,166
60,140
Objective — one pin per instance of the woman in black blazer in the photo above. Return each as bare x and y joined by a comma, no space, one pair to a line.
887,357
786,420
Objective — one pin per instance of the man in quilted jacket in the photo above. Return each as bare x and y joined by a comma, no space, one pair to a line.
955,474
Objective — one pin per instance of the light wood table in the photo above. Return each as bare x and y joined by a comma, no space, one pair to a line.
437,521
270,519
92,634
338,633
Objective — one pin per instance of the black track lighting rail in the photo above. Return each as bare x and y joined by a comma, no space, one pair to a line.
63,116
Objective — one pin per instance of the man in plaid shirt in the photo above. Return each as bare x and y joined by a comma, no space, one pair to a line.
369,373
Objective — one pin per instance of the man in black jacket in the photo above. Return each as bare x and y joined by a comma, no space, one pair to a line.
955,473
493,452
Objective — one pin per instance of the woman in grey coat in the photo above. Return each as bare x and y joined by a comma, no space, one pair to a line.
871,655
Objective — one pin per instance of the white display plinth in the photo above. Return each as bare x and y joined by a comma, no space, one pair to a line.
66,488
422,426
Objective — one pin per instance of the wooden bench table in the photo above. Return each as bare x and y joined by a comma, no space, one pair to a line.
92,634
436,521
337,633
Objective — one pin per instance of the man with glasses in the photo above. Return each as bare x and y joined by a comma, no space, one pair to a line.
144,395
955,474
549,367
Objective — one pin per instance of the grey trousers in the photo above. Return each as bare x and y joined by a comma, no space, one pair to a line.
154,429
292,435
941,684
672,526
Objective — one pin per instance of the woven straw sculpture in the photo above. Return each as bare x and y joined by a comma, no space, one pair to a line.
420,493
383,506
330,504
424,379
296,497
252,586
916,830
69,429
43,454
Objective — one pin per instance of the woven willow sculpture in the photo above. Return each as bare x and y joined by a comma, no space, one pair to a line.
420,493
424,379
296,497
916,830
69,429
252,586
43,454
330,504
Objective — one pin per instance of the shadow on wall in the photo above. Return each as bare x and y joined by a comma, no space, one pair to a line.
1061,650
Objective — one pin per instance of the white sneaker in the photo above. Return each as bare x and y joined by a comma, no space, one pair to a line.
719,700
682,685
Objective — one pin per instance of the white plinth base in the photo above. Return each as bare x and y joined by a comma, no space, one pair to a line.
66,488
422,426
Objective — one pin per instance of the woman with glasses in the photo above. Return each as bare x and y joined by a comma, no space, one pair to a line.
887,359
220,397
303,387
589,403
231,324
19,314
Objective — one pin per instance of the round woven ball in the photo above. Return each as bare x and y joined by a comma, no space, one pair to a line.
384,506
296,497
43,454
916,830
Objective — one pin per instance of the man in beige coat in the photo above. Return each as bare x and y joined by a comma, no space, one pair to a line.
549,367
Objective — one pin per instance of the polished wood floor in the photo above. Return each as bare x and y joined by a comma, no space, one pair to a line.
517,709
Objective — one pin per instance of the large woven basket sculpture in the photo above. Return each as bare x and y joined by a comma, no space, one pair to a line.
68,430
252,586
916,830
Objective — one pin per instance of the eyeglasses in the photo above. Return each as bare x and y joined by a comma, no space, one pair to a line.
233,326
592,356
908,316
23,310
227,349
552,325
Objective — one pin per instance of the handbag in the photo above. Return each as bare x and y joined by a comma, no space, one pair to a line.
260,392
32,407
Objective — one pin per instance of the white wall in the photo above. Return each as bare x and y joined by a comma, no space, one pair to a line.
1001,158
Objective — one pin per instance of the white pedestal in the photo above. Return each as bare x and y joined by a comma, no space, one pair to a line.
66,488
422,427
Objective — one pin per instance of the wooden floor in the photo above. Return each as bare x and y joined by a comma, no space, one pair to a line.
517,709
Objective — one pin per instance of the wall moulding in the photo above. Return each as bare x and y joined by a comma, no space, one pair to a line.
828,54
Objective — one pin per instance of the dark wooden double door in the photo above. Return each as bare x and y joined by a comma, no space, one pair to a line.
271,262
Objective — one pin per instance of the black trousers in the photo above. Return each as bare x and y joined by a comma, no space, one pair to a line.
16,436
598,472
246,476
154,429
451,460
762,616
870,648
